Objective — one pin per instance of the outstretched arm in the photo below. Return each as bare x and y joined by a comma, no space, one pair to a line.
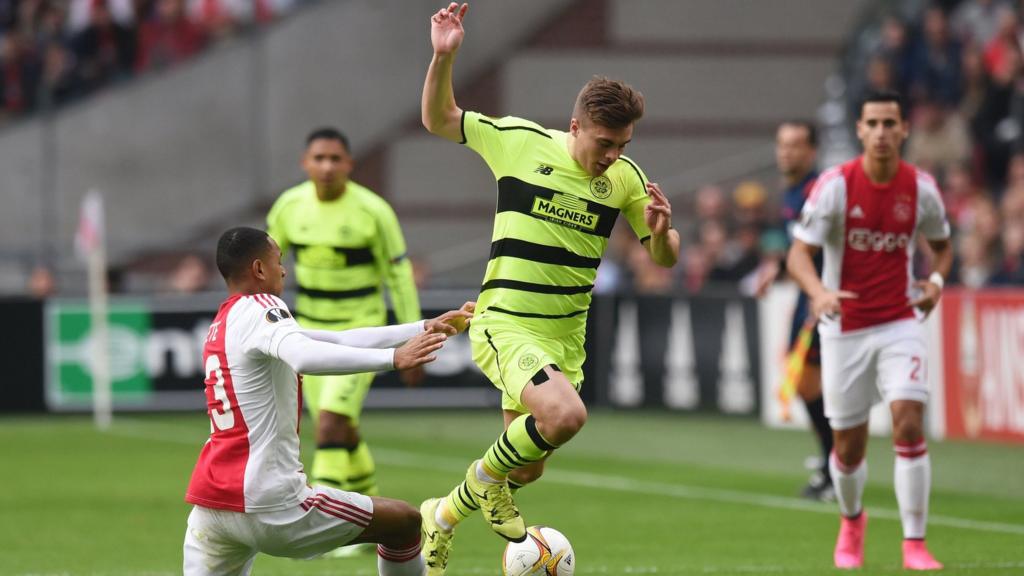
308,356
663,246
450,323
376,337
438,110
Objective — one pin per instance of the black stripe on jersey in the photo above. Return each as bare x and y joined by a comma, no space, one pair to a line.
533,315
337,446
643,184
524,250
462,127
538,288
353,256
514,195
645,238
337,294
527,128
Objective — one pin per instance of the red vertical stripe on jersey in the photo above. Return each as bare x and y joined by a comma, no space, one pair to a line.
880,223
218,480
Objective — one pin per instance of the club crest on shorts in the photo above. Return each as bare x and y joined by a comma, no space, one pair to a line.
528,361
275,315
601,187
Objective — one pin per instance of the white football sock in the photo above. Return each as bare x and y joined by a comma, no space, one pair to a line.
441,519
913,479
483,476
848,482
405,562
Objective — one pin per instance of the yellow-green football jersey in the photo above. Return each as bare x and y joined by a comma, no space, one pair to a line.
552,222
345,251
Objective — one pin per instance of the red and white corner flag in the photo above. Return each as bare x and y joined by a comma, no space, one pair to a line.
90,235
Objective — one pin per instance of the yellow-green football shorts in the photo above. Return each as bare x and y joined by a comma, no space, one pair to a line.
340,394
510,358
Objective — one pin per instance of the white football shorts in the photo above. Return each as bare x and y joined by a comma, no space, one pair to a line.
224,542
858,369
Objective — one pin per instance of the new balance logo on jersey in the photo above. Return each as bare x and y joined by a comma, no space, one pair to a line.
545,170
864,240
857,212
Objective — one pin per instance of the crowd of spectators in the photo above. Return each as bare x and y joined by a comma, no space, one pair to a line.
54,51
960,66
959,63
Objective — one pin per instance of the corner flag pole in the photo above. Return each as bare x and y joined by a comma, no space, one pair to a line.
90,243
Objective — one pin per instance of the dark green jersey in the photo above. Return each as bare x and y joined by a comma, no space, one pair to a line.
345,251
552,223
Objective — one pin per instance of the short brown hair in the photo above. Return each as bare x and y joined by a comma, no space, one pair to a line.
609,103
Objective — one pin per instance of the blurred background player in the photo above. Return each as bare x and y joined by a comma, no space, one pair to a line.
866,215
347,245
559,194
796,155
248,489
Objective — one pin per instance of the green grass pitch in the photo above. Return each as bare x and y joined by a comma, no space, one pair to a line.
636,493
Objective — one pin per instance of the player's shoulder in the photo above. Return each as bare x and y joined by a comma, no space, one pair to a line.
261,307
368,198
926,182
508,125
830,181
629,172
297,193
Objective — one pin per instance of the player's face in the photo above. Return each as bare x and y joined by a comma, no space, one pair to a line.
794,154
273,269
881,130
327,163
598,147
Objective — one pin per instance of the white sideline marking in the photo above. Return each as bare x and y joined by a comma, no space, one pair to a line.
623,484
405,459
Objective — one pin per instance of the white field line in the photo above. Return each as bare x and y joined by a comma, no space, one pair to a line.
401,458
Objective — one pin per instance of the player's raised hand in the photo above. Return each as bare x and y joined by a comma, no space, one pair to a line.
419,350
446,31
452,322
657,214
828,304
929,298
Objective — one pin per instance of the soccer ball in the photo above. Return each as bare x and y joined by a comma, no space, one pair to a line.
545,552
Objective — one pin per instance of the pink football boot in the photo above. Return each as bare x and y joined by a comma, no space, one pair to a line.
917,557
849,551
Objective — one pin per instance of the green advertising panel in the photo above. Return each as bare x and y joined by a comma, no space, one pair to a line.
70,353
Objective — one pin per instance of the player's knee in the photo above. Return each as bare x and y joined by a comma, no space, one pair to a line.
405,526
337,430
849,451
563,421
849,455
907,431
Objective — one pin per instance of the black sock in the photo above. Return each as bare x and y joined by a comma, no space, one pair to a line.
816,410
